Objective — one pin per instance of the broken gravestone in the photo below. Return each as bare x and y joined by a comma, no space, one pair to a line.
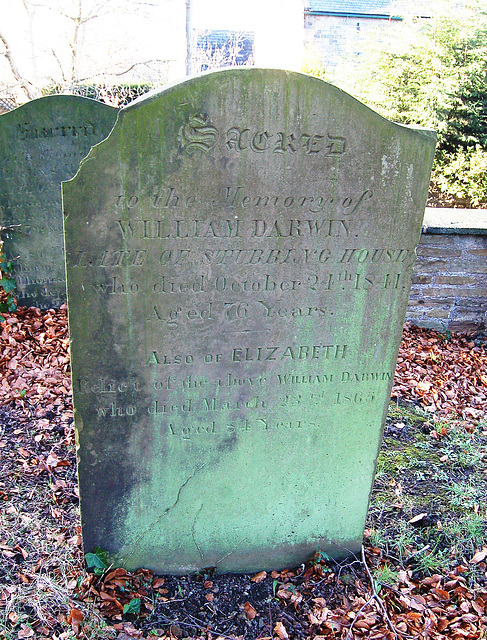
239,253
41,144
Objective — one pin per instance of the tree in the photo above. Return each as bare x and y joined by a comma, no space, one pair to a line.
25,85
437,77
79,41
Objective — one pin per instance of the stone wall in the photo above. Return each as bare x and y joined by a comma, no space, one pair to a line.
449,289
333,37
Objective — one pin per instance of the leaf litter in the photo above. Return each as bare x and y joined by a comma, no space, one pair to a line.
45,591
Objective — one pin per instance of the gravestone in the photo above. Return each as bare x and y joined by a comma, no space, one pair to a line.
239,252
41,144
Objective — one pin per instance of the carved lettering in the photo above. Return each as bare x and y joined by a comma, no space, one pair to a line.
240,139
292,379
215,404
104,385
116,411
27,131
300,228
378,255
314,203
198,135
179,228
352,376
289,353
107,258
249,256
176,315
354,398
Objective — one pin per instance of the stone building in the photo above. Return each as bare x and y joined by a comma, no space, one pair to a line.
334,29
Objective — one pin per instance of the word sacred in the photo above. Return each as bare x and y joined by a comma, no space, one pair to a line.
199,135
30,132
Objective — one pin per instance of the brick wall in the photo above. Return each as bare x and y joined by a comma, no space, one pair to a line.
449,288
335,36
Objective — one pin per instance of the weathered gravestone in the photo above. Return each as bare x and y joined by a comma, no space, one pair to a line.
41,144
239,254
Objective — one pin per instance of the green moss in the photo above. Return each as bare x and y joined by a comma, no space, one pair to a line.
438,471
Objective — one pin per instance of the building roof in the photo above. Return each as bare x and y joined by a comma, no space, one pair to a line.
369,8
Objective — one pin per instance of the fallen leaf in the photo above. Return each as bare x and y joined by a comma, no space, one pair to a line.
418,520
259,577
479,556
479,606
25,632
75,619
280,630
158,582
442,594
249,611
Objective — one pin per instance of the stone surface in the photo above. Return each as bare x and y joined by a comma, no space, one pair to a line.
449,289
239,256
455,221
41,144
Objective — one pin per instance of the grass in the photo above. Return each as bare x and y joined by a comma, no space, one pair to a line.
437,468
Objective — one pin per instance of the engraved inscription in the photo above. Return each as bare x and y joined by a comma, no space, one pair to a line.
239,139
246,394
241,197
286,353
198,134
159,229
315,203
28,131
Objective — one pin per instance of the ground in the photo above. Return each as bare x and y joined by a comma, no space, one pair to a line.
422,571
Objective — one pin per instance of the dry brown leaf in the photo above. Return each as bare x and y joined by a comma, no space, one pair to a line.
249,611
259,577
442,624
280,630
479,606
25,632
362,624
75,619
479,556
442,594
158,582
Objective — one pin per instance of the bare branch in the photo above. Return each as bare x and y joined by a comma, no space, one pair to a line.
27,87
56,58
121,73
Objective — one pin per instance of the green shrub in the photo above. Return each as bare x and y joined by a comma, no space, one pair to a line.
7,284
462,174
312,63
435,76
